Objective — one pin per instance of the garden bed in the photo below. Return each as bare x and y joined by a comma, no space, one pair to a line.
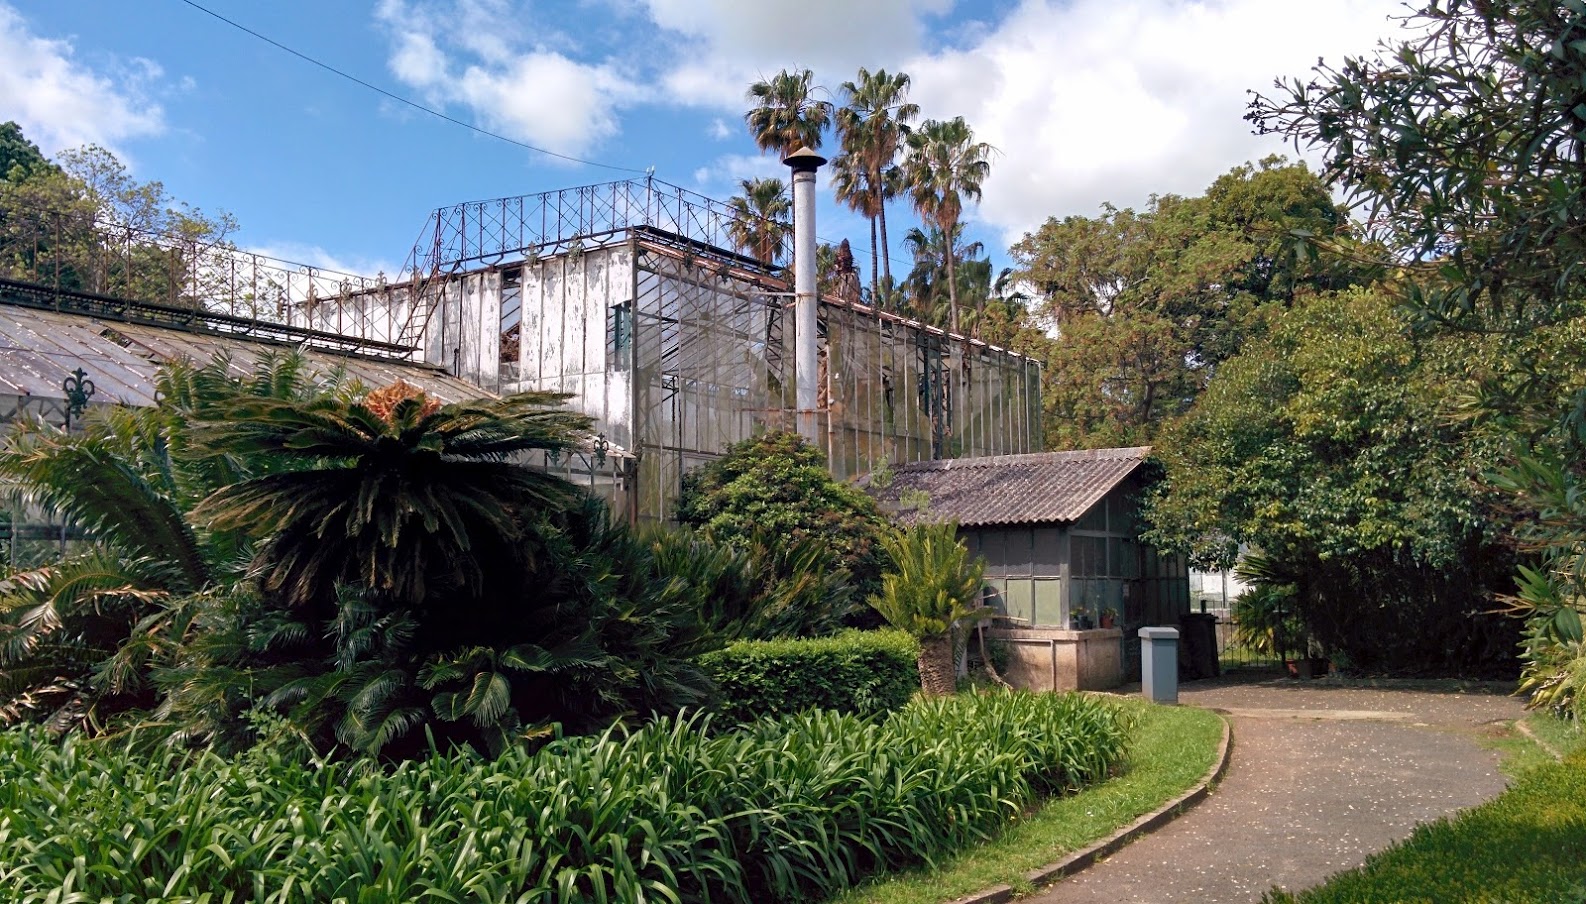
797,807
1174,748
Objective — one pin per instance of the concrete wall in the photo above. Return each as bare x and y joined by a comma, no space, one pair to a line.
1058,659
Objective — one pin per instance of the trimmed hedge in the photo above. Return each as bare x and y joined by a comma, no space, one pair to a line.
791,808
866,673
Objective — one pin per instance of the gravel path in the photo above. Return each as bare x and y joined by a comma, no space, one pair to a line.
1323,774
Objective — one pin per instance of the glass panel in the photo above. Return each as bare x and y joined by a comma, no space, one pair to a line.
992,595
1094,520
1131,558
1090,556
994,547
1019,600
1048,552
1114,556
1019,552
1049,608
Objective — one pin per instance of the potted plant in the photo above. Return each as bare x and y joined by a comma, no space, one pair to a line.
1109,617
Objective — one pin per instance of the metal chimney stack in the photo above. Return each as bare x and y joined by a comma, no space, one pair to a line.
804,162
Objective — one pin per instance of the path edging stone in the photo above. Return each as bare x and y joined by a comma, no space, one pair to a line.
1547,748
1145,825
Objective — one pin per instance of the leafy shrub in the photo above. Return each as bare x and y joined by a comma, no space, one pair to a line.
778,486
866,673
788,808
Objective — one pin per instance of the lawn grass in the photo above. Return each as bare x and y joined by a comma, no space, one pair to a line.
1174,748
1563,736
1526,846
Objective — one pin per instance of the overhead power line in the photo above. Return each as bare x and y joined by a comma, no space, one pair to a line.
403,100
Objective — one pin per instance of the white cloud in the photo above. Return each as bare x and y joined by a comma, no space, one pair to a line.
61,103
1112,100
475,53
728,171
318,257
719,130
727,44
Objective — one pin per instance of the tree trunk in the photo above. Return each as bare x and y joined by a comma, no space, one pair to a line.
886,258
952,285
875,284
938,672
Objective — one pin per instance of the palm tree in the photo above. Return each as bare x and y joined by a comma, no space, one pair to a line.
760,222
80,638
874,124
394,493
927,287
932,588
852,186
397,544
946,165
785,117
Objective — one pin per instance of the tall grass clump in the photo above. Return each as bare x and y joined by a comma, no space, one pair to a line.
796,807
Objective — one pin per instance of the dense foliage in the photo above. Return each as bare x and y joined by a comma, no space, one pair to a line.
786,809
80,637
1149,303
369,565
866,673
83,222
1327,446
776,488
1465,144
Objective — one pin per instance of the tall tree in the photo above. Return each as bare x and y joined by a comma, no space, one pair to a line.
946,166
1148,304
1463,141
785,116
874,123
19,157
852,185
760,224
1328,446
926,288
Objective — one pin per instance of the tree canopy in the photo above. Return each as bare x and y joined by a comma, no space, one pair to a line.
778,486
1148,304
1465,144
1328,447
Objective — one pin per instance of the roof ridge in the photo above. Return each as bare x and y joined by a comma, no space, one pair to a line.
1122,453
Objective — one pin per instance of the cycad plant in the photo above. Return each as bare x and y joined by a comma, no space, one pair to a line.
79,638
394,493
932,588
396,561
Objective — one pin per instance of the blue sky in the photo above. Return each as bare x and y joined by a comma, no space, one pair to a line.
1087,101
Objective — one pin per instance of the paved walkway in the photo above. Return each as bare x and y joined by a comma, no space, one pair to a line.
1323,774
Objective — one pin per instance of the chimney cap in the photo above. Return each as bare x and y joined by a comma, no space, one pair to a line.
804,160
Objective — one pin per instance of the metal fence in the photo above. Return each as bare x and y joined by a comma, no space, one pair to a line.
1235,652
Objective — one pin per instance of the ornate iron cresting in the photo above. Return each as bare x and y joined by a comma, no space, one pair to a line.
573,220
57,259
79,389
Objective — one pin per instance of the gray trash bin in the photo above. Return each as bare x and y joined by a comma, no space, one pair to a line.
1159,664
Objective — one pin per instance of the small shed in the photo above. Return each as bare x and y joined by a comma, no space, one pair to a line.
1065,567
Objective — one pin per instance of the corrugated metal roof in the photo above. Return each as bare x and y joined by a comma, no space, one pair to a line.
40,348
1012,489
